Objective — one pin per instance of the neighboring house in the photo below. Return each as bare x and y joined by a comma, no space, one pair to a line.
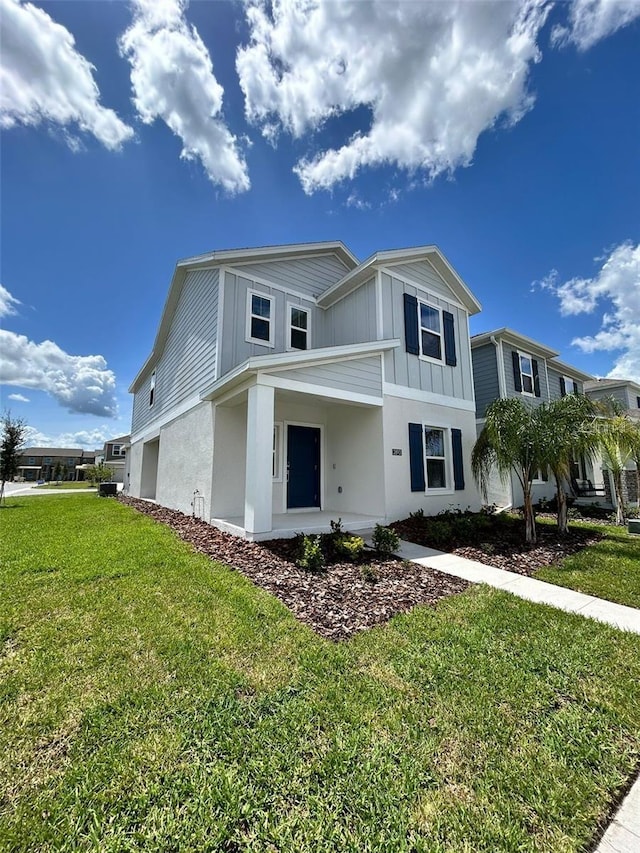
291,385
627,394
39,463
507,364
114,454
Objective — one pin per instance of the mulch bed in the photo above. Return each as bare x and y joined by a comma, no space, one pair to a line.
337,602
503,544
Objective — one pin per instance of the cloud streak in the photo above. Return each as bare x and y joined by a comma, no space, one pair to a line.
172,79
590,21
44,79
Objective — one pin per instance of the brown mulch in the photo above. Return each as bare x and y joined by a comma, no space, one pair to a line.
337,602
503,544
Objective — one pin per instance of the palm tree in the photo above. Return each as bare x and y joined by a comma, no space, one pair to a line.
512,439
568,426
617,436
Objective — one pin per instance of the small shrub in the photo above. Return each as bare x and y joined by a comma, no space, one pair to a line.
311,557
350,546
418,514
368,574
632,512
385,540
336,526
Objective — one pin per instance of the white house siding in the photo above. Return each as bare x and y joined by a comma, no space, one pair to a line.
485,377
400,500
187,363
359,375
510,386
402,368
351,320
234,348
310,276
185,460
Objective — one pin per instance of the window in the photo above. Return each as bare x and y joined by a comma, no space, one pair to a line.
430,331
116,450
31,460
259,318
152,388
526,373
298,327
436,463
47,460
638,402
71,460
276,465
568,386
540,475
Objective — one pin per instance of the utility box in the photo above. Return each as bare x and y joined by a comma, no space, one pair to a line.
634,526
108,490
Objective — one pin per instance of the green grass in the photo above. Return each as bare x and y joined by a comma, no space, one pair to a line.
67,484
609,569
153,700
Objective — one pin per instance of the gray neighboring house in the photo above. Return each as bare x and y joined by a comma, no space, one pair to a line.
507,364
39,463
114,456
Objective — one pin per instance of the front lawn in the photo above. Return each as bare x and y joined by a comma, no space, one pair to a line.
151,699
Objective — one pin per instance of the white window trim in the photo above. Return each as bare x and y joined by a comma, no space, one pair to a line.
278,442
538,481
448,460
116,452
259,341
422,356
528,355
290,306
568,385
152,390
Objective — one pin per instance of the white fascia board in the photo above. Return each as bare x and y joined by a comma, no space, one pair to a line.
306,358
389,389
568,370
318,390
508,336
257,254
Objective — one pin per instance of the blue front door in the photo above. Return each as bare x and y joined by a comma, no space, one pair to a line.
303,467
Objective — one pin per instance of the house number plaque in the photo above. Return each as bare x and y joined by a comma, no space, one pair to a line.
396,451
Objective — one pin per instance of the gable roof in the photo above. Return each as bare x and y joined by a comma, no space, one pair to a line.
365,270
509,336
610,384
51,451
229,256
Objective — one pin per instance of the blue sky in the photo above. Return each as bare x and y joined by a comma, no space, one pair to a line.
505,133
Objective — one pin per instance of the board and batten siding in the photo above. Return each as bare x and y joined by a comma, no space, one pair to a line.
187,363
358,375
352,320
421,272
510,385
403,368
310,276
234,348
485,377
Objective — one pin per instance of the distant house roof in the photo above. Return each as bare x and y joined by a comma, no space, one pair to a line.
610,384
52,451
515,338
122,439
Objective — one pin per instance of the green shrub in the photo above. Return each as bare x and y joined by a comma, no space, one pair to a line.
418,514
385,540
311,557
336,526
368,574
349,546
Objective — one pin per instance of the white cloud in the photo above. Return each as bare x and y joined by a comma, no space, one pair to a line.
172,79
80,383
88,439
590,21
434,76
43,78
7,302
19,398
617,284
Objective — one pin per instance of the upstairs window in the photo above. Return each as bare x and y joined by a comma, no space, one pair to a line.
117,450
568,386
298,327
526,377
430,331
152,388
526,374
259,318
47,460
31,460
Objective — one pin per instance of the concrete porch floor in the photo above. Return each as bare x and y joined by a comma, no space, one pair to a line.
287,525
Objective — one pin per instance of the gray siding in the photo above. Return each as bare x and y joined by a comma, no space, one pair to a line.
352,320
510,383
421,272
485,377
359,375
619,394
402,368
555,392
234,348
187,363
311,276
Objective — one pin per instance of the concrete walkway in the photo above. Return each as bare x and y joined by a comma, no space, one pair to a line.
623,833
618,615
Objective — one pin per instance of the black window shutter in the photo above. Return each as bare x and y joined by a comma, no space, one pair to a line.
458,464
416,460
563,387
411,324
536,377
576,390
449,339
516,371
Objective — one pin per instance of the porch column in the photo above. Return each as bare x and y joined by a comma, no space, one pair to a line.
258,498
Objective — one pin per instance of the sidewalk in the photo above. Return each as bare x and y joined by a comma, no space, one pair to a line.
623,833
617,615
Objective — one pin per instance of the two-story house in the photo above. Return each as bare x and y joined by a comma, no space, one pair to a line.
113,456
291,385
507,364
44,463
